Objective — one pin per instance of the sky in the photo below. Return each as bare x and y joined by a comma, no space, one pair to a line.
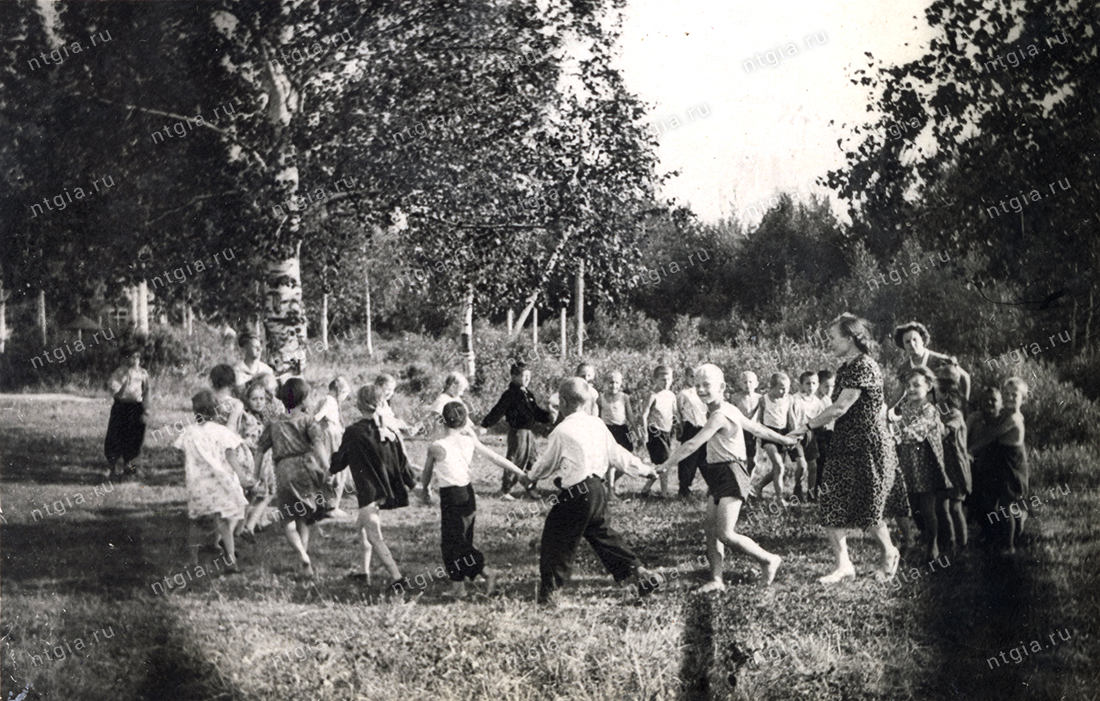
742,134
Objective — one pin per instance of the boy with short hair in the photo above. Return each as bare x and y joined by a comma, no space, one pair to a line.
747,399
518,407
804,406
657,417
691,415
826,381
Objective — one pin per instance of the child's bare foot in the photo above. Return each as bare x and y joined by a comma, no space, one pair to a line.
457,591
843,572
712,585
770,570
490,581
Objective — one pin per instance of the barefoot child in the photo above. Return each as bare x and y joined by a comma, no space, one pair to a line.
518,407
804,406
657,418
950,399
618,416
580,452
775,413
691,415
747,401
327,414
129,386
726,474
213,490
999,446
382,479
449,461
919,435
296,443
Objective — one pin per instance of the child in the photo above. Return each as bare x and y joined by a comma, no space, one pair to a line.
919,435
250,366
257,415
388,385
726,474
826,382
691,415
657,417
999,447
327,414
213,490
956,459
804,406
449,461
229,412
774,412
454,387
747,400
518,407
382,478
579,453
296,442
126,428
618,416
587,372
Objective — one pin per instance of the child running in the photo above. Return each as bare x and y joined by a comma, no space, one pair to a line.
129,386
726,474
230,410
296,443
775,413
449,461
382,479
213,490
920,452
998,447
657,417
518,407
691,415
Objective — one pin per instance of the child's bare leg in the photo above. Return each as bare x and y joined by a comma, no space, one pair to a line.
944,509
303,532
811,477
777,471
799,470
962,536
225,530
728,510
931,522
371,522
295,538
256,512
716,551
367,548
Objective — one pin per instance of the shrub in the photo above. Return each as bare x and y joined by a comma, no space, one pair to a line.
631,329
1073,465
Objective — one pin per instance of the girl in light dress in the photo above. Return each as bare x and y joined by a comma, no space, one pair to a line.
327,414
213,489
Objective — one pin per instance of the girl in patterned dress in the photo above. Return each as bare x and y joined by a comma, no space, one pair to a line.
919,434
296,442
223,378
862,463
254,419
213,490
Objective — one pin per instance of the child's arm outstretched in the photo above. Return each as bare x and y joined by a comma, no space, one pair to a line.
645,415
492,456
687,448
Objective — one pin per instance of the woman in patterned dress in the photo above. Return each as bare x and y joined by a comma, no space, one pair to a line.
862,463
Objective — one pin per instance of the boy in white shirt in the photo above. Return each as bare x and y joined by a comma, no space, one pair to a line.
579,453
691,415
657,417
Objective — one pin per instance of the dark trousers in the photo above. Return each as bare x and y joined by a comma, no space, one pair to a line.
581,511
686,468
522,453
125,431
458,508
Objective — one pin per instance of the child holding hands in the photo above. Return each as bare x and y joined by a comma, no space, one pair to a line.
657,417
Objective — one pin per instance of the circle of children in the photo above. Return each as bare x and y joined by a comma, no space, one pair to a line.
258,442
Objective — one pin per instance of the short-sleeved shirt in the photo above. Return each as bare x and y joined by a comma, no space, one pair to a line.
131,382
776,411
728,444
661,410
246,373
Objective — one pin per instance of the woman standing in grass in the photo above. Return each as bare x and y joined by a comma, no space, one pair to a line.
862,461
129,386
296,442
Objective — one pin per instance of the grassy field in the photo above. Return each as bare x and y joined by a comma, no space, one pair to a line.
82,620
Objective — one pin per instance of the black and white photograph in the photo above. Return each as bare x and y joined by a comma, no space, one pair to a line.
549,350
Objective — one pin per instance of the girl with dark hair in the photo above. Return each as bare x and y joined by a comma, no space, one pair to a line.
296,442
862,464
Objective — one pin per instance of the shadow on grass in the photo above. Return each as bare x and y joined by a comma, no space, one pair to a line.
108,566
698,647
